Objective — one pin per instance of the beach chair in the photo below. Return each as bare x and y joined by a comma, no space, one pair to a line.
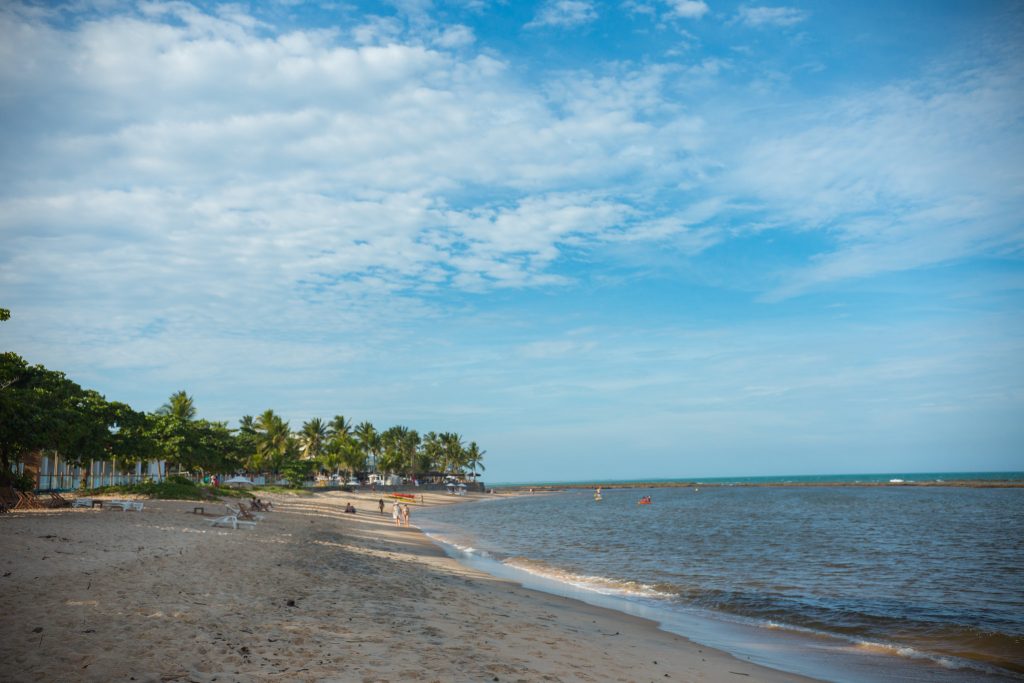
58,501
125,505
28,501
230,520
242,513
8,499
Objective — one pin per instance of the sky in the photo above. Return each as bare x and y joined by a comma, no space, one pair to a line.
637,239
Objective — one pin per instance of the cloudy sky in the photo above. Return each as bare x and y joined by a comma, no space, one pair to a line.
602,239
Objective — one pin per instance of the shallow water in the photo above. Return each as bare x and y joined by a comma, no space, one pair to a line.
899,581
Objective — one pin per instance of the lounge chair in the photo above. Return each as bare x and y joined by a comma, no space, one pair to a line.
242,513
58,501
230,520
8,499
28,501
125,505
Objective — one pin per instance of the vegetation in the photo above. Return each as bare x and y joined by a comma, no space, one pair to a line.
41,410
172,488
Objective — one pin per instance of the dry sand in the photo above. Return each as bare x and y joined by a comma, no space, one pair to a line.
309,594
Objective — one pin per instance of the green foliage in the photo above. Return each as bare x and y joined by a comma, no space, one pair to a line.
172,488
23,481
42,410
274,443
283,490
296,471
312,438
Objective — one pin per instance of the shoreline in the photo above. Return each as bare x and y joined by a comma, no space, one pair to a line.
309,594
959,483
822,654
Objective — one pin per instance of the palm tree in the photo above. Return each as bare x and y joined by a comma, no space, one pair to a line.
274,441
474,458
369,440
452,452
353,456
430,452
177,416
339,426
180,405
312,438
247,425
399,444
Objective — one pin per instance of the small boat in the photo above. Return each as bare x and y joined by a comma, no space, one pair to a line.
646,500
597,495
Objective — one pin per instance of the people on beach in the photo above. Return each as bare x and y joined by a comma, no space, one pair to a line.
396,513
380,504
405,515
350,509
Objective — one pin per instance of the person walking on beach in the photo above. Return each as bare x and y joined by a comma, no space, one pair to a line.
405,514
396,513
381,504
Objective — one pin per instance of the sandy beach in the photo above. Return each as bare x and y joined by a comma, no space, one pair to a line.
308,594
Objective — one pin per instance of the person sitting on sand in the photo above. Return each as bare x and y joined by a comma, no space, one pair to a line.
350,509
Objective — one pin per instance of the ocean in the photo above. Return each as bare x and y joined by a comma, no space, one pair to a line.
840,583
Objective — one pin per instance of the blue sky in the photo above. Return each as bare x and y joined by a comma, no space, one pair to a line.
627,239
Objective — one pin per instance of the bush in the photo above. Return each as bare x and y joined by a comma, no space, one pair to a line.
172,488
23,482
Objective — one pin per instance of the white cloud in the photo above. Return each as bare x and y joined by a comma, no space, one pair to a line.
564,13
688,9
770,16
209,164
455,36
884,174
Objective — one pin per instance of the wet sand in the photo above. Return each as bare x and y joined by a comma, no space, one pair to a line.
308,594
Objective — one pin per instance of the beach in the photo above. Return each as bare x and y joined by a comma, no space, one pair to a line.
308,594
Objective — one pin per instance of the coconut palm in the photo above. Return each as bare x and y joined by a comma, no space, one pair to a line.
453,453
247,425
399,445
474,458
180,405
353,456
369,440
274,441
312,438
430,453
339,426
175,428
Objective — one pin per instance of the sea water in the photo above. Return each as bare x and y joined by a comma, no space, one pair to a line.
841,583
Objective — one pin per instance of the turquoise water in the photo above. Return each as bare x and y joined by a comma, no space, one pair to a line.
917,477
842,583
